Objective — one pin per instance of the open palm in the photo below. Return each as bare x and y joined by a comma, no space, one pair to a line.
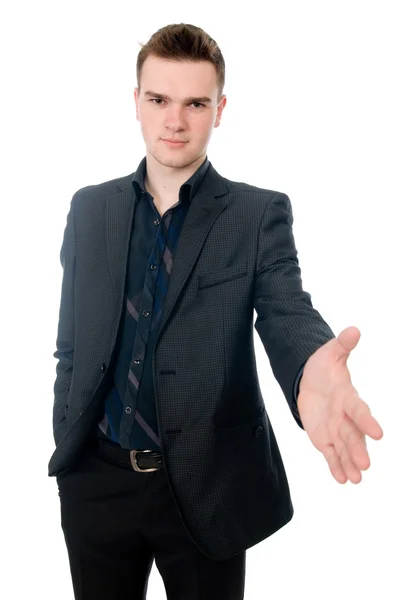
333,415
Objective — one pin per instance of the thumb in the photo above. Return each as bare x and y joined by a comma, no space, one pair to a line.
348,338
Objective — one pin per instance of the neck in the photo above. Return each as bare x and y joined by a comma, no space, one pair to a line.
164,181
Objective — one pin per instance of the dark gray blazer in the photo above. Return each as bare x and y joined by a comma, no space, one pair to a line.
236,253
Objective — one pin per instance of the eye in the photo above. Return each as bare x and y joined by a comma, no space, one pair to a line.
157,100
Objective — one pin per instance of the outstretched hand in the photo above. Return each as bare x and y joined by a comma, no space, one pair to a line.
333,415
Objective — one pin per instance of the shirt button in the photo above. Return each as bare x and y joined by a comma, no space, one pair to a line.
137,361
156,222
145,313
153,267
103,368
128,410
258,431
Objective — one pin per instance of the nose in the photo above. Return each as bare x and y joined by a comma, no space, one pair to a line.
175,120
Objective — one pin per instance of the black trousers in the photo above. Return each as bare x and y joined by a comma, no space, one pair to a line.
117,521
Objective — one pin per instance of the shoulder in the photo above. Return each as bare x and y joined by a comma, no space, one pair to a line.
104,188
263,195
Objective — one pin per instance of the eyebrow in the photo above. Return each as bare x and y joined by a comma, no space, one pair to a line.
203,99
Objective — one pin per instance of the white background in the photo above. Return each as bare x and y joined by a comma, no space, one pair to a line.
313,110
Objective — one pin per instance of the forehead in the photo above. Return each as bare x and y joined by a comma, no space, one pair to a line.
189,79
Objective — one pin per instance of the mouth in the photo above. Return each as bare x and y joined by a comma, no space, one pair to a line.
174,143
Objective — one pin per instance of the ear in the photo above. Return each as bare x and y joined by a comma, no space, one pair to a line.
136,98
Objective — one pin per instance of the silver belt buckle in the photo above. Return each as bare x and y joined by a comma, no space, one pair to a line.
134,463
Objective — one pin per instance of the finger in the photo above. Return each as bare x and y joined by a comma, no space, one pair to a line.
359,412
351,471
355,443
334,462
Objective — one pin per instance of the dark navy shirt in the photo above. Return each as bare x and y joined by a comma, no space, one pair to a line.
129,411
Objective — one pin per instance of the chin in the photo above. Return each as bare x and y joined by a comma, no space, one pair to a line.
170,157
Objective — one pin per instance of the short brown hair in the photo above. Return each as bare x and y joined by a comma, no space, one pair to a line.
183,42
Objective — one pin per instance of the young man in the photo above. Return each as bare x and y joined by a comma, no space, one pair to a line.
164,449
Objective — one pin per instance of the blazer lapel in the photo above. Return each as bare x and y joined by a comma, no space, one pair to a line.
202,213
119,213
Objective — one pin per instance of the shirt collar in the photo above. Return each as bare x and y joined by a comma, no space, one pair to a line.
187,190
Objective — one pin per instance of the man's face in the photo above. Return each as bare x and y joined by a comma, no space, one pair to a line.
177,117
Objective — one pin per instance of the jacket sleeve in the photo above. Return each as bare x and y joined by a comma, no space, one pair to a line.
290,328
66,324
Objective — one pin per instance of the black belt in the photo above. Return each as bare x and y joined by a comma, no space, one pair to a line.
142,461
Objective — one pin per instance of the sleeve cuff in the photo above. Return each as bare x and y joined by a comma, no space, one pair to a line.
297,382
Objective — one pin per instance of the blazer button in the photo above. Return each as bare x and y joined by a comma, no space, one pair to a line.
258,431
103,368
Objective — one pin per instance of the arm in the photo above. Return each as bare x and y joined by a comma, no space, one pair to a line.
65,333
288,325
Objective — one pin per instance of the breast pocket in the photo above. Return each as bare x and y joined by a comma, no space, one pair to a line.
222,275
